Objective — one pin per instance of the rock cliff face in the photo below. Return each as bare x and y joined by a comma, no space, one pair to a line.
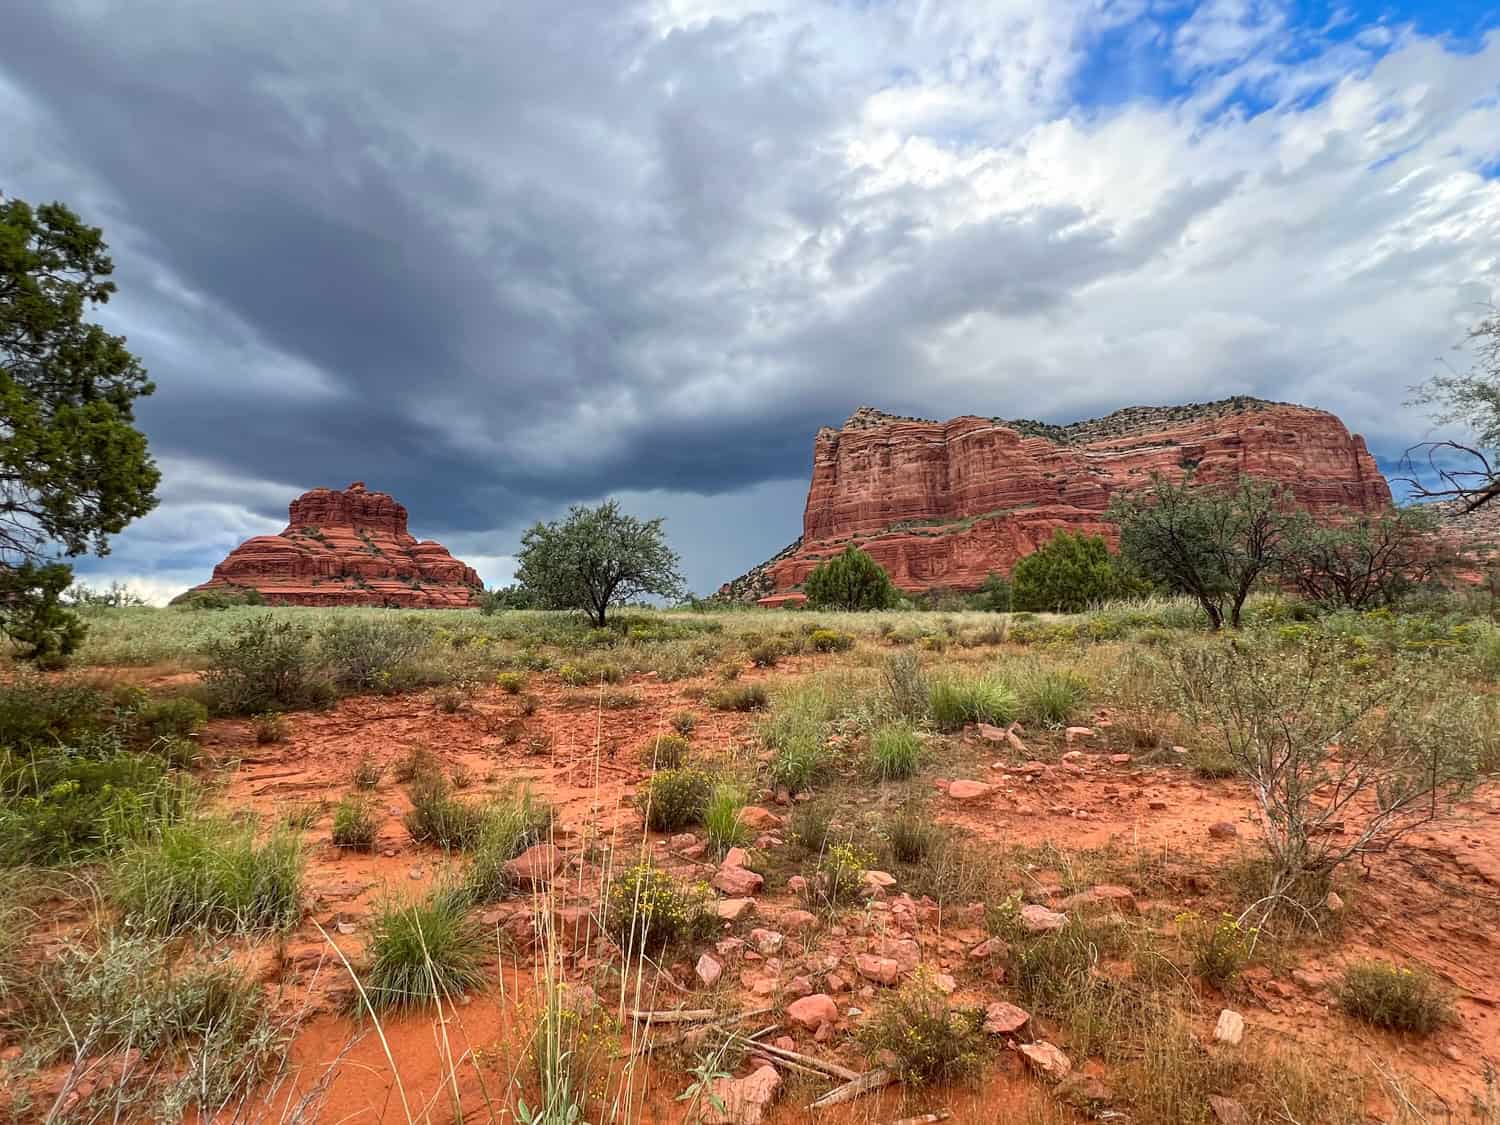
348,547
941,504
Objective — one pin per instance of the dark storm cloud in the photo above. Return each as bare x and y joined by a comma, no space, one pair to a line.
499,258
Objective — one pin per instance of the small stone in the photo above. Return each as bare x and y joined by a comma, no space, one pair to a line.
536,866
1073,756
812,1011
992,947
767,942
881,970
964,790
1157,804
1307,980
1230,1028
785,1042
1001,1018
1333,902
797,885
1077,734
1119,759
1037,919
1227,1111
1083,1091
709,970
1104,898
416,873
1223,830
345,928
741,1101
737,882
905,952
944,983
681,840
991,733
883,880
1452,1053
736,857
729,948
733,909
835,983
800,986
795,921
758,819
1047,1059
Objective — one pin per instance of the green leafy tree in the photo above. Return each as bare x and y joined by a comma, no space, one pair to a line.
1213,542
500,598
1362,561
596,558
73,467
995,596
1067,574
851,581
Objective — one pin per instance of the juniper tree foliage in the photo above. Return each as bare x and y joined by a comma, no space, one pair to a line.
1067,574
850,581
74,469
596,558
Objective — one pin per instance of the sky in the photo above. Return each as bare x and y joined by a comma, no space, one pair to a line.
497,259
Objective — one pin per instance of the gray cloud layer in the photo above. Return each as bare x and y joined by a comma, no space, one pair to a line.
498,260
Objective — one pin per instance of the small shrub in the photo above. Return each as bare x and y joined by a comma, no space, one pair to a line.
1220,950
767,654
170,718
743,697
667,752
590,675
906,684
208,875
512,823
895,752
1051,697
675,799
646,908
37,713
460,777
619,700
684,723
302,815
811,824
423,952
265,663
529,705
450,700
721,818
511,683
438,817
373,654
799,765
355,824
931,1040
367,773
839,879
416,763
911,833
269,727
1397,998
955,702
830,640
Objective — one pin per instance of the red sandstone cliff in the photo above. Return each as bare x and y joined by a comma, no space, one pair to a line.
348,547
941,504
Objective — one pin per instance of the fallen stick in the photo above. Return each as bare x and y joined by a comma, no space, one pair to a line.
808,1061
676,1015
924,1118
863,1084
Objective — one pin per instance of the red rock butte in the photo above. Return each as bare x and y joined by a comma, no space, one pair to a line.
348,547
942,504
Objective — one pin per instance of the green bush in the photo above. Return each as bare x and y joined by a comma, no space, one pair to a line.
1397,998
721,818
667,752
830,640
911,834
839,880
931,1040
373,654
799,765
438,817
741,697
1067,574
512,823
1220,950
675,799
423,952
590,675
511,683
906,685
1051,697
265,663
954,702
646,908
269,727
355,824
170,718
36,713
367,773
684,722
850,581
895,752
57,807
208,875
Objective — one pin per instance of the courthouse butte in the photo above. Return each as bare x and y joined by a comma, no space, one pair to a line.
348,547
942,504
